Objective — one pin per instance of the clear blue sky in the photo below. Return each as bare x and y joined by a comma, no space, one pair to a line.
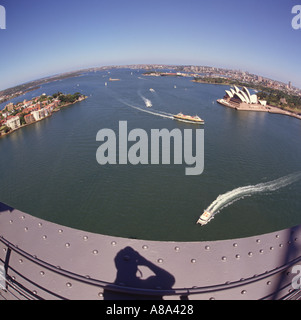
44,37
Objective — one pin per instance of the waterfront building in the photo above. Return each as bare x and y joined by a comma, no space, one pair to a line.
29,118
13,122
9,107
40,114
56,103
242,96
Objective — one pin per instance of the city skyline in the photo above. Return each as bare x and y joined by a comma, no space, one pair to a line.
44,38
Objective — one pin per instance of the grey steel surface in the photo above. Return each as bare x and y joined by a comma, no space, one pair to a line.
43,260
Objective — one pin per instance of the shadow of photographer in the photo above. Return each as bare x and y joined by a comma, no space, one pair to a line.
136,272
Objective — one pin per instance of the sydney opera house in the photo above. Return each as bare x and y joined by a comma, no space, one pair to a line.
241,98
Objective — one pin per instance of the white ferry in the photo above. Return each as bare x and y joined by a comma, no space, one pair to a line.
205,217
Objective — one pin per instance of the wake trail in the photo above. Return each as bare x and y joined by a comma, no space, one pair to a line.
230,197
155,112
147,102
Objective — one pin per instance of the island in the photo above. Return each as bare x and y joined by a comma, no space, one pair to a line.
21,114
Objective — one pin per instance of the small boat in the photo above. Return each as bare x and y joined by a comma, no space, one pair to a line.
205,217
151,90
186,118
111,79
148,103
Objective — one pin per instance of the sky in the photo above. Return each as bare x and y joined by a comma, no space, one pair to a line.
44,37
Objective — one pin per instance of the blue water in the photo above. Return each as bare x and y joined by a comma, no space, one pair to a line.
49,169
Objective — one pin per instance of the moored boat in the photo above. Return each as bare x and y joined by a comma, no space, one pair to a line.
193,119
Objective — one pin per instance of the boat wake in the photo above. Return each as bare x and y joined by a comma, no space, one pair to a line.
230,197
154,112
147,102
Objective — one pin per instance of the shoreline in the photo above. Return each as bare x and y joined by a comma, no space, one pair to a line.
268,108
257,108
55,110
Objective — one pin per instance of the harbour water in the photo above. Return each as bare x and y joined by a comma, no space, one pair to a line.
49,169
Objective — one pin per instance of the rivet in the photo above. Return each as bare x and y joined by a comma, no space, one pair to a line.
34,292
207,248
113,243
193,261
243,292
67,245
234,244
211,298
277,236
260,251
26,228
68,284
95,251
100,294
224,258
42,273
177,249
85,238
160,260
271,248
60,231
237,256
258,240
280,245
269,282
20,260
44,237
145,247
10,221
250,254
23,217
40,224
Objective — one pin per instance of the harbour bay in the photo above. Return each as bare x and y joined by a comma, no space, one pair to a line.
49,169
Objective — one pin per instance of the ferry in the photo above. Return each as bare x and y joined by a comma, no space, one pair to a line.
193,119
205,217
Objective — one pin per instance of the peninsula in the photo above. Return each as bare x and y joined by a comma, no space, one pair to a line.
242,100
21,114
